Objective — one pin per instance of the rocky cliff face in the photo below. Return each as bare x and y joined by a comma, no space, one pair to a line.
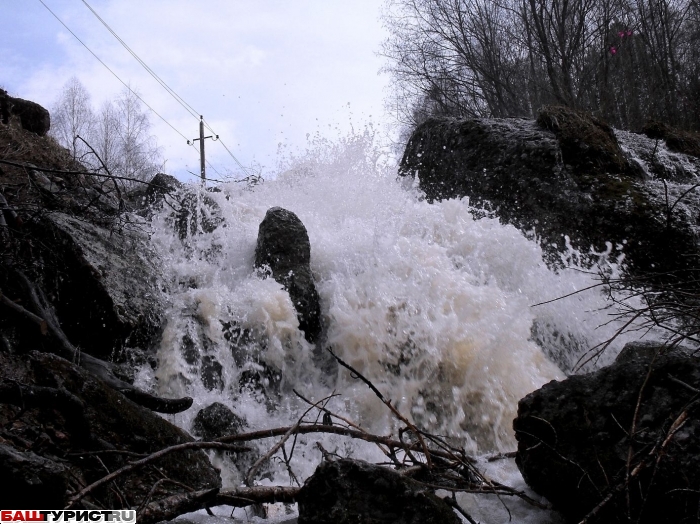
71,233
566,174
79,291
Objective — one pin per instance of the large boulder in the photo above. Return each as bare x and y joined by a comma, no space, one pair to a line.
159,187
284,249
348,491
32,117
621,444
103,284
63,429
564,175
74,239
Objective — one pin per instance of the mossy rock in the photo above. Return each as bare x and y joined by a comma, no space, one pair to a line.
587,143
571,180
685,142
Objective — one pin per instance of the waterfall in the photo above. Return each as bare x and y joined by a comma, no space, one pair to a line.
435,307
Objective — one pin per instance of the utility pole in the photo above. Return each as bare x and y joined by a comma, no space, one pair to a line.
201,148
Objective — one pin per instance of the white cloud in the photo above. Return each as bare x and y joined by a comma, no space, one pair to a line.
261,72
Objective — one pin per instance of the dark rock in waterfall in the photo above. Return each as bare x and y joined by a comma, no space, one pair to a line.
566,174
215,421
33,478
147,197
624,440
32,117
283,247
63,414
160,186
195,213
348,491
211,373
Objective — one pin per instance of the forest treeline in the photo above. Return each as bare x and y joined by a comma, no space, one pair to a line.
626,61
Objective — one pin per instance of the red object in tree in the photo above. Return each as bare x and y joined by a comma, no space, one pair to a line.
613,50
621,34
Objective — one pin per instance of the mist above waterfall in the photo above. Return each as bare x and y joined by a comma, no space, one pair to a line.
432,305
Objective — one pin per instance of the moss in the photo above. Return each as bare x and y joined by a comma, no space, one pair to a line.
679,141
587,143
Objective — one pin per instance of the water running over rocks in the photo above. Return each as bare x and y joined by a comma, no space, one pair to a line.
433,306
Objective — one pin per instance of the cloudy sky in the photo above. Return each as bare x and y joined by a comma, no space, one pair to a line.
262,72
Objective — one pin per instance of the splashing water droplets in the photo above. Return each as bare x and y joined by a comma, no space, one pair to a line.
430,304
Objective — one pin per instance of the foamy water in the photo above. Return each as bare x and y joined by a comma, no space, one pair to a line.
431,305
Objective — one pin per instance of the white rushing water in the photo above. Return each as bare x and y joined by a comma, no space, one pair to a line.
430,304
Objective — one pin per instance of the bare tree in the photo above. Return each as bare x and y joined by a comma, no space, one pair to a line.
455,57
626,60
105,136
119,134
139,156
72,116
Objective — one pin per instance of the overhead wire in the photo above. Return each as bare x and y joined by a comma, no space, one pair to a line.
245,169
150,71
113,73
124,83
165,86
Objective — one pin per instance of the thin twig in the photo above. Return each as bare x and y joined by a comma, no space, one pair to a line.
273,449
150,458
387,403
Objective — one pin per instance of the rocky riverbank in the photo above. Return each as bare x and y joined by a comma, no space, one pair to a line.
82,307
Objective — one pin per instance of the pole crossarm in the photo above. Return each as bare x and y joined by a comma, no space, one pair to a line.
201,140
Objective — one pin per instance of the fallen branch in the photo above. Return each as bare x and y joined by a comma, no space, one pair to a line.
171,507
105,371
450,501
150,458
254,179
337,430
276,447
43,327
116,186
387,403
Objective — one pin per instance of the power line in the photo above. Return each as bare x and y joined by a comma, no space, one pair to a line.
124,83
113,73
244,169
164,85
150,71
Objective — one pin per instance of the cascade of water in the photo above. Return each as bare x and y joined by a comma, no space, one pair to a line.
430,304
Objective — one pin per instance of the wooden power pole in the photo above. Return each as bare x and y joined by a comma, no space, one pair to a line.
202,166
